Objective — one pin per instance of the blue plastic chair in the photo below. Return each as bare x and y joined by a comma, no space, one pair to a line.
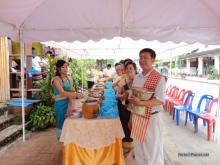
180,101
186,105
199,110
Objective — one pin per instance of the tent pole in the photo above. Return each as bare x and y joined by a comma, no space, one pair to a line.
170,61
82,71
22,81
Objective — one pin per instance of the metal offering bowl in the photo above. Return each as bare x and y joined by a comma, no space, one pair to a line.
142,94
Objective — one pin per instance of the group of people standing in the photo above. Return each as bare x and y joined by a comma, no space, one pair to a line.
144,131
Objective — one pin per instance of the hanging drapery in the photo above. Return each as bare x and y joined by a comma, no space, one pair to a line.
4,70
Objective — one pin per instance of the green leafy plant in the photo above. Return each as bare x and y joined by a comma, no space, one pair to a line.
51,67
42,116
213,74
44,94
78,68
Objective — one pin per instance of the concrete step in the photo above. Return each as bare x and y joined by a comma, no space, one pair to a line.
3,108
9,134
6,121
10,127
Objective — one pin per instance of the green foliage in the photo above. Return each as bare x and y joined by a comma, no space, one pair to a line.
51,67
180,61
103,63
173,64
45,93
159,63
110,61
213,74
42,116
79,68
78,72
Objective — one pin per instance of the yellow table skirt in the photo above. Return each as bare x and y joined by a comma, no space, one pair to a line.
109,155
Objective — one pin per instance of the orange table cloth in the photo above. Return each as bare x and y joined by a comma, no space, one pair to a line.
92,142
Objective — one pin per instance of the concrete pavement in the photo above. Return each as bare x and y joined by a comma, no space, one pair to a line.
181,146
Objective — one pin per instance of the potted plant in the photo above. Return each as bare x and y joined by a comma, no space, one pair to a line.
42,116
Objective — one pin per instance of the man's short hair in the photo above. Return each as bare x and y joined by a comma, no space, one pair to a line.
148,50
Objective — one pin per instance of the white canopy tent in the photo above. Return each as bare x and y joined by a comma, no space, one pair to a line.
117,48
69,20
121,48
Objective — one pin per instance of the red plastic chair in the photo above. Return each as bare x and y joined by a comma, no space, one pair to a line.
168,89
209,118
173,95
181,99
167,94
172,99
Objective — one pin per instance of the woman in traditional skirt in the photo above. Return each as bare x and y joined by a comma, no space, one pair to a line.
62,87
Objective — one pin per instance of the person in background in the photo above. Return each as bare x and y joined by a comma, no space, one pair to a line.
44,61
91,79
122,62
100,72
36,61
146,129
53,53
117,76
63,92
13,66
108,72
36,65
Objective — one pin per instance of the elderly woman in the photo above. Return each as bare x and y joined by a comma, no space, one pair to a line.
146,129
63,92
